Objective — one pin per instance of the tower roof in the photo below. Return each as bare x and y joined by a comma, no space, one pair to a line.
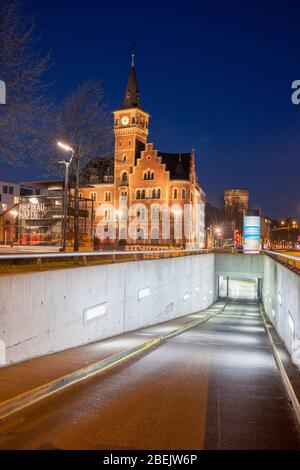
178,164
132,97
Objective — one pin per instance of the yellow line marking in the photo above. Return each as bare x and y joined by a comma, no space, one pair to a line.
139,350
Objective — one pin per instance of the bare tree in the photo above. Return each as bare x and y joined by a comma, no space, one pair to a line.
83,122
22,67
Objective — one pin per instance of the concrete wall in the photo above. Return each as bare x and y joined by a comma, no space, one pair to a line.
241,265
281,298
44,312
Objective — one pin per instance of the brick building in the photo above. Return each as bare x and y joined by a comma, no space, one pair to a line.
147,187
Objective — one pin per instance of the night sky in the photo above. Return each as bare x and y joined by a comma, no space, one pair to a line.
214,75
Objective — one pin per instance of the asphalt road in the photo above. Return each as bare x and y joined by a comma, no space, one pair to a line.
215,386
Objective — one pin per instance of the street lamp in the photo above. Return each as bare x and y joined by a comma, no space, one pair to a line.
67,164
218,233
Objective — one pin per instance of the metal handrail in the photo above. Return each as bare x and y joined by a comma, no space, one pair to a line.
276,253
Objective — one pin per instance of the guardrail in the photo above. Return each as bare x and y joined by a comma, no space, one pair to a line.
283,258
20,262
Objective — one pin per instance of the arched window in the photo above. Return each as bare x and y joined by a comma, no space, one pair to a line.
143,194
141,213
124,177
138,194
149,175
175,193
152,175
124,158
153,193
107,196
155,213
145,175
158,194
93,196
141,234
183,194
155,233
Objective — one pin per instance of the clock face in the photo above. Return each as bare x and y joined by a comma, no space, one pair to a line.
125,120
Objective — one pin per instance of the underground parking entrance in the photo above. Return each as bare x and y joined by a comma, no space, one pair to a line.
239,287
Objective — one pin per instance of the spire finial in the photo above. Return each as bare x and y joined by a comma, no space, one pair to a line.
132,54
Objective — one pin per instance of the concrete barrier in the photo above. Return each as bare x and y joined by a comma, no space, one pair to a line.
281,299
46,312
239,264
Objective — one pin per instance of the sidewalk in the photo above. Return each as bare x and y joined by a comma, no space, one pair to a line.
24,376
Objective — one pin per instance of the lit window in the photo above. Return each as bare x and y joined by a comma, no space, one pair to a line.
124,177
16,200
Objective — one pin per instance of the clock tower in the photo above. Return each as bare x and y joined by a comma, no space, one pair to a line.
131,130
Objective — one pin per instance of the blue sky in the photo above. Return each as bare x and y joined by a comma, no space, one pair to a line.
214,75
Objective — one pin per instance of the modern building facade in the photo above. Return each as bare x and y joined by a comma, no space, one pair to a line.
9,195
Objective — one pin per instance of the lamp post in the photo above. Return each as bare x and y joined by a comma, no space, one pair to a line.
218,233
67,164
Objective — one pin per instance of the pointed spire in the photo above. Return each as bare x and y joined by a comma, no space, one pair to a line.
132,94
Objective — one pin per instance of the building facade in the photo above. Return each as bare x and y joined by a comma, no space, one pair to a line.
153,198
9,195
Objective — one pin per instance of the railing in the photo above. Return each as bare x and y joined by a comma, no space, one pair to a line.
23,262
290,261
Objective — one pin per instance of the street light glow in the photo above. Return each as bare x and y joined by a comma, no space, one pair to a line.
65,147
33,200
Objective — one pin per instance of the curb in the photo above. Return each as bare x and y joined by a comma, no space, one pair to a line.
284,377
12,405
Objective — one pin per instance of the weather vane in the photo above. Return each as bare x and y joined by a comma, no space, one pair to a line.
133,54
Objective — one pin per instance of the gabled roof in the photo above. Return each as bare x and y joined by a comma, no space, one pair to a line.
178,164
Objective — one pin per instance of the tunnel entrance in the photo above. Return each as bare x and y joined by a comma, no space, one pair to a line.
239,288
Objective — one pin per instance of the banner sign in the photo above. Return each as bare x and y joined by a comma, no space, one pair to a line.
251,234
